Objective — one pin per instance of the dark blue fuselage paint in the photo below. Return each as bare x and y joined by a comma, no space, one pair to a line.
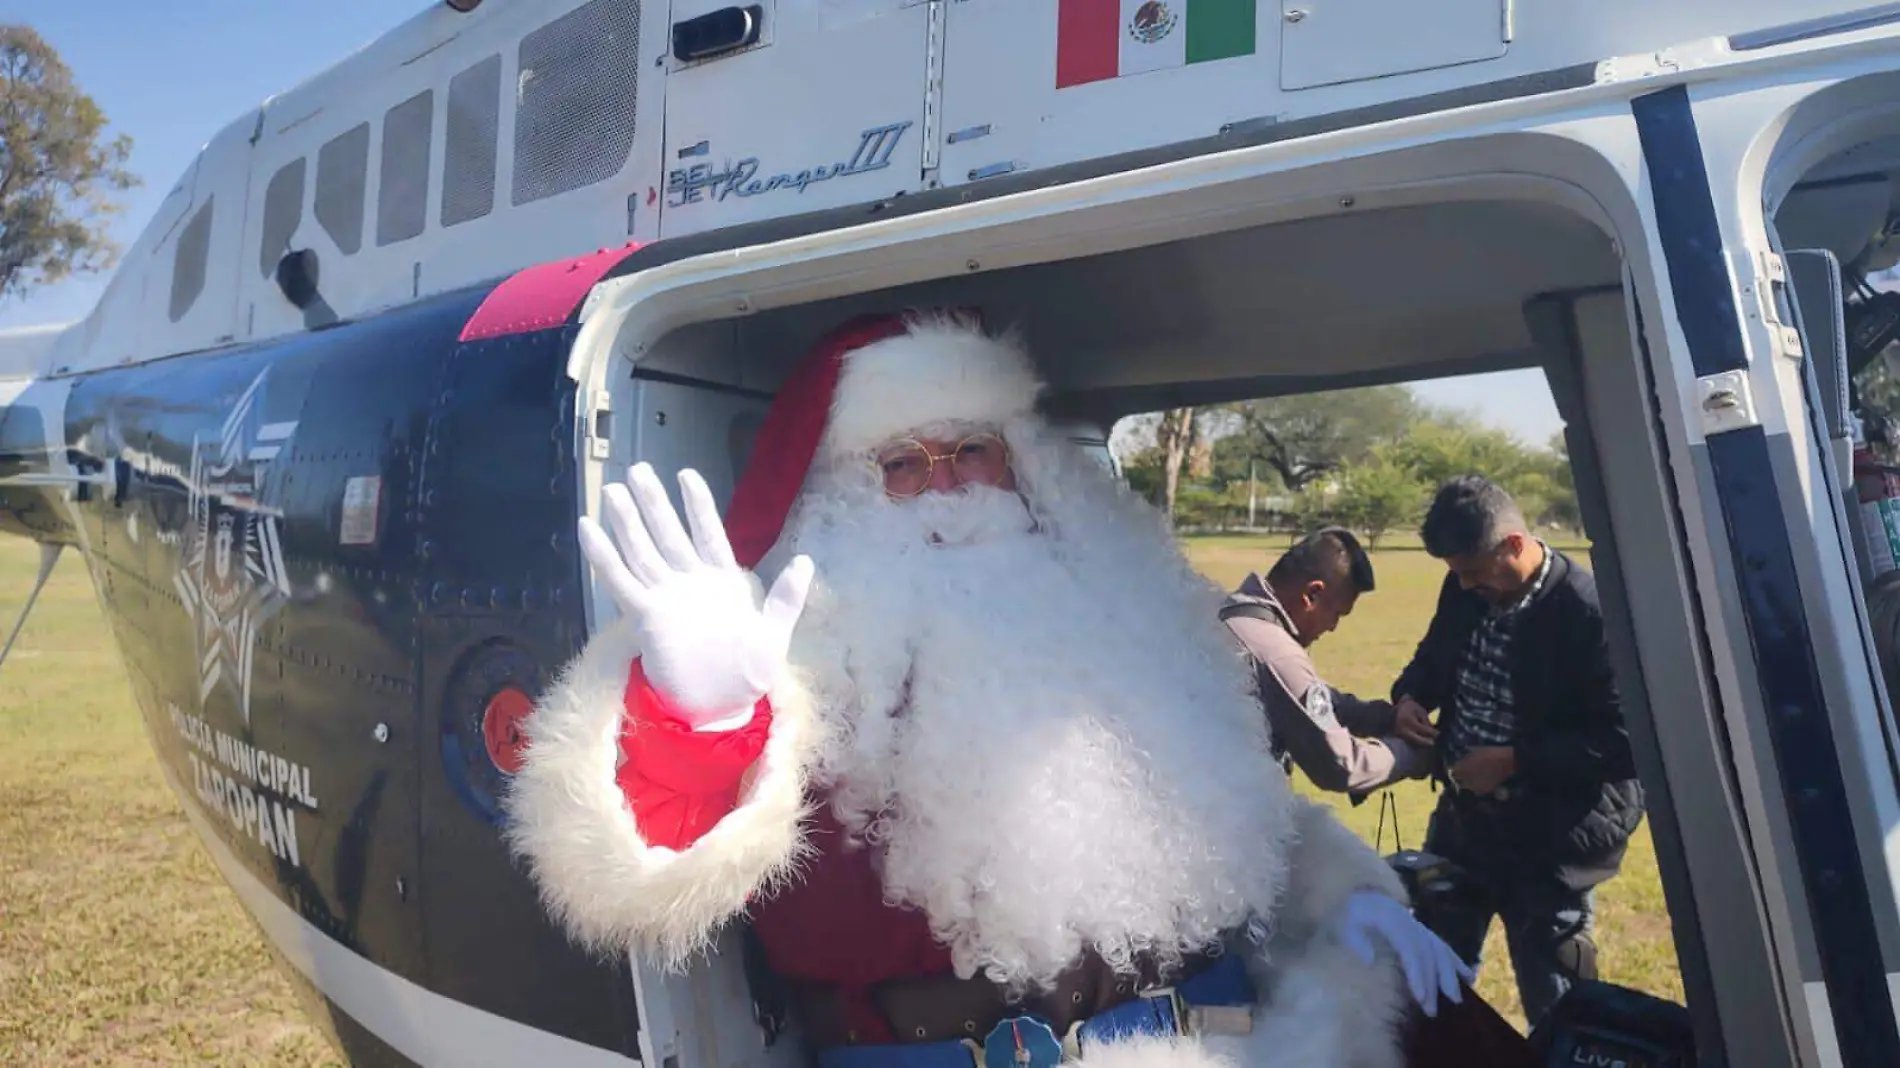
321,556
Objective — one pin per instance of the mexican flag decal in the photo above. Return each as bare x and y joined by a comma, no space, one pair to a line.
1101,39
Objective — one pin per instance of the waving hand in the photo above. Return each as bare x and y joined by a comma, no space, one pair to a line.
705,645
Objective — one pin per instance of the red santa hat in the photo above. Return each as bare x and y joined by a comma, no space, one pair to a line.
873,378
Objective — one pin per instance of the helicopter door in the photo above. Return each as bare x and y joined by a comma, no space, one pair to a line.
705,427
1799,690
699,1018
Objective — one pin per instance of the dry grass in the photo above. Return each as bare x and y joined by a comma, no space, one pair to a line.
120,944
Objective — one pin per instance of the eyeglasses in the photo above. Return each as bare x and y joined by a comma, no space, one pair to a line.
907,465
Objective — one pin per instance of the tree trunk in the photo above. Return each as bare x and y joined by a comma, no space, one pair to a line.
1176,438
1252,495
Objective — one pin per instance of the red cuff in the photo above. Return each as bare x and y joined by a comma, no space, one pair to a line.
679,782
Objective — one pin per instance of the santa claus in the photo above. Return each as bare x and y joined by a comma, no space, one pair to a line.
981,769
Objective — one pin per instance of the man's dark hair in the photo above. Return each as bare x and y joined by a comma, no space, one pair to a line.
1330,555
1470,514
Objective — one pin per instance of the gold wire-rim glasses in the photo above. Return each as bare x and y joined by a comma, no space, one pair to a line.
988,469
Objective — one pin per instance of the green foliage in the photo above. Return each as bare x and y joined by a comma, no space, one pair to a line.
1448,445
1202,507
1368,459
56,169
1142,470
1561,510
1304,438
1380,495
1233,455
1311,508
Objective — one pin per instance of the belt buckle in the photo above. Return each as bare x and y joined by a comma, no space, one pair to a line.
1190,1020
1219,1020
1177,1008
1075,1043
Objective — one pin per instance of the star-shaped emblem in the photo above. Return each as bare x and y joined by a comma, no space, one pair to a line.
232,577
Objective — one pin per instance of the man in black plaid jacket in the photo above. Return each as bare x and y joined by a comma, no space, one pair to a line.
1541,791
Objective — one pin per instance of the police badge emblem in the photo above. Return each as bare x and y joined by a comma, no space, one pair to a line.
1319,706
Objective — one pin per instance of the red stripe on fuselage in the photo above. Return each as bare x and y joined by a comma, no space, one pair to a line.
542,296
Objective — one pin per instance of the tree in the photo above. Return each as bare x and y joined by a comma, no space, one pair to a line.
56,171
1379,495
1449,444
1141,469
1230,461
1304,437
1563,509
1159,448
1314,506
1176,438
1444,445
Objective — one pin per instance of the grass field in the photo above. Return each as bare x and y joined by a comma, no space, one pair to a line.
120,945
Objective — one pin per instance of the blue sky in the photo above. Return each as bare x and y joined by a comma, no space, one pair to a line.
173,72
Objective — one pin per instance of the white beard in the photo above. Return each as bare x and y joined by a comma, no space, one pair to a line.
1043,727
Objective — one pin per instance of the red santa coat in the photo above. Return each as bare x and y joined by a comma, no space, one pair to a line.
832,924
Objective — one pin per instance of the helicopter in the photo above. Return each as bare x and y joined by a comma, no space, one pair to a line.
323,442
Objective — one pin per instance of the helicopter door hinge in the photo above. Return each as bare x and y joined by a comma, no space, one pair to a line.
1725,402
936,33
1770,288
600,425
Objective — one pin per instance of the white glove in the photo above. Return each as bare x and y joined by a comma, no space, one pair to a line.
705,646
1431,968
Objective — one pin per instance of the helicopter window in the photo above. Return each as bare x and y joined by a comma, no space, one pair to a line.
575,99
342,174
188,264
402,199
283,211
468,154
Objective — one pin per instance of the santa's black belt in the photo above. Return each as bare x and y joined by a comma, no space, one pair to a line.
944,1008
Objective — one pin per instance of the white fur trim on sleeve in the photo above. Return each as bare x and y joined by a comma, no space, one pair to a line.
568,818
941,371
1327,865
1154,1053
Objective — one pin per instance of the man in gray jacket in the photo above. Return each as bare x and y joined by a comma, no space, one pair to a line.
1344,744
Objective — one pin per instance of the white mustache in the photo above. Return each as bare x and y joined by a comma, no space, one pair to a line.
968,515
